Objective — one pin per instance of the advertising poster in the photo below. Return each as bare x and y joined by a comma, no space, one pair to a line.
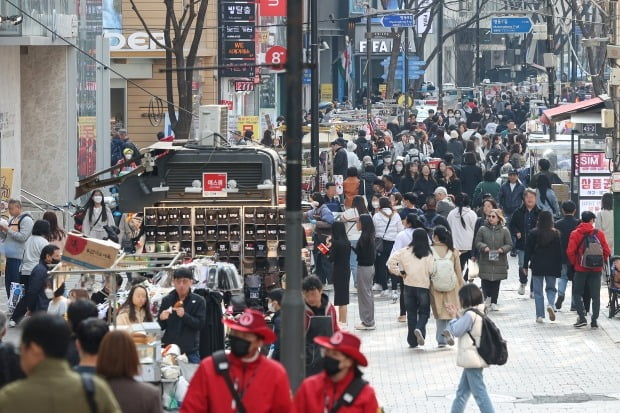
593,205
6,191
249,122
594,186
87,156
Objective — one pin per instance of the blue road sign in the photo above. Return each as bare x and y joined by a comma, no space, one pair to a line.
511,25
307,77
398,20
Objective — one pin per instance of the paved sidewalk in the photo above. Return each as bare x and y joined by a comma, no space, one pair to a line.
552,367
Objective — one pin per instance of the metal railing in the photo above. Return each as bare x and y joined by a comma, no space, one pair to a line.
43,205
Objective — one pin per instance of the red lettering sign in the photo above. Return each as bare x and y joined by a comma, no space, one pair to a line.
273,8
214,182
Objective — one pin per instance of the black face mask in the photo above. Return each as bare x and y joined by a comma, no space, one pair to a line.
55,262
331,366
239,347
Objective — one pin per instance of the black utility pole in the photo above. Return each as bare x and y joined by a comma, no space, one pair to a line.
550,64
574,54
314,91
293,349
406,75
477,57
440,54
368,68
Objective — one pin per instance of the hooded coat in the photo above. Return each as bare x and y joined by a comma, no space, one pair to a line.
494,237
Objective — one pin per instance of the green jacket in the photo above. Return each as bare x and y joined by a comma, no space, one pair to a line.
494,237
52,387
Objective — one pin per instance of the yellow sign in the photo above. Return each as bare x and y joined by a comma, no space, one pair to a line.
382,89
327,92
6,190
401,100
249,122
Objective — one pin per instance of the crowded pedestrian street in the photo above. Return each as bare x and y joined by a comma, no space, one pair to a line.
552,367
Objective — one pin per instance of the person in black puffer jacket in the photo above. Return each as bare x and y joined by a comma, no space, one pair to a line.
543,252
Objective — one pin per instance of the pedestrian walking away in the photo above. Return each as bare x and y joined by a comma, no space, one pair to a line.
468,329
366,256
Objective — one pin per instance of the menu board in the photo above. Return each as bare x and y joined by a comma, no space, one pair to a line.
237,35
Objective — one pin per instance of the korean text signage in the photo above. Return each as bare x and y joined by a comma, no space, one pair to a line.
591,163
237,38
214,184
594,179
594,186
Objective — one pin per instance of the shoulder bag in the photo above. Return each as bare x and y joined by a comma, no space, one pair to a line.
379,241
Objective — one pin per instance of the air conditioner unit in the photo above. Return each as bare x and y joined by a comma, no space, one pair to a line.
213,119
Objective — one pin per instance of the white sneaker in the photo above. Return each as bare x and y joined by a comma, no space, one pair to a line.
521,290
539,319
394,296
362,326
494,307
385,294
449,337
327,287
419,337
377,287
12,323
551,313
487,304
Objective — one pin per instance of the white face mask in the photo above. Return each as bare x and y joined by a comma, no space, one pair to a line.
375,205
315,204
398,168
98,199
49,293
271,307
387,161
386,172
128,156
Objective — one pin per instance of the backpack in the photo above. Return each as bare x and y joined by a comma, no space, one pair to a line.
492,347
592,252
443,276
364,149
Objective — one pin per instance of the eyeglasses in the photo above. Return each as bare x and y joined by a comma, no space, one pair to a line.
493,216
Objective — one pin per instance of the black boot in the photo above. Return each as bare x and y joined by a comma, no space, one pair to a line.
559,301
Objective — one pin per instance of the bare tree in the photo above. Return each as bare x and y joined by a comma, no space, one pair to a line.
419,41
177,32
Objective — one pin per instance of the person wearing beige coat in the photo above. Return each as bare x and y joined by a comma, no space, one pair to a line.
442,243
415,264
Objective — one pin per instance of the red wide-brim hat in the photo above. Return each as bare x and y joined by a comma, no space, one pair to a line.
252,321
346,343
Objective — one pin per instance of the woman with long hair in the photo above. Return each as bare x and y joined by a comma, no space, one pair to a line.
136,309
398,172
440,171
365,252
415,265
426,147
462,221
57,236
350,217
545,196
450,181
442,247
340,256
411,175
493,243
440,144
516,159
118,364
471,173
97,216
425,183
375,205
543,254
387,226
322,219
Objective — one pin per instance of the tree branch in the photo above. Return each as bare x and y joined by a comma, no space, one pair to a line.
146,28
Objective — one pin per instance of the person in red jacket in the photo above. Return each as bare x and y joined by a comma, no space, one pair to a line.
261,384
324,391
586,276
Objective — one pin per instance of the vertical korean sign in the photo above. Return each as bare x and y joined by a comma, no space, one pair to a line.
592,169
237,38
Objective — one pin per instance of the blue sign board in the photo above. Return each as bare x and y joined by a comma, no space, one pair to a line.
511,25
398,20
307,76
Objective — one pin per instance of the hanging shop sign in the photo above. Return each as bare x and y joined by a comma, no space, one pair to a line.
237,33
135,41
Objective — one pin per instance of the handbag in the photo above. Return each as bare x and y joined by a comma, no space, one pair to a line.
473,269
112,232
379,241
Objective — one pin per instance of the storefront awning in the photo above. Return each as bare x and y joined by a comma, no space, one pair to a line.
565,111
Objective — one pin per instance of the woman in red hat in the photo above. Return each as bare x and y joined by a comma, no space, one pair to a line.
339,387
260,385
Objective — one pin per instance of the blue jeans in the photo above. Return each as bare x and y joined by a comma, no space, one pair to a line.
353,262
193,357
472,383
563,283
11,273
441,326
539,299
418,304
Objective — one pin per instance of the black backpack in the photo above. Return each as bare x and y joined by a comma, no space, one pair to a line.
493,348
364,149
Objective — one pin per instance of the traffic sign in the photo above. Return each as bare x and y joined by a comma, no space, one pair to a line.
276,56
381,35
398,20
511,25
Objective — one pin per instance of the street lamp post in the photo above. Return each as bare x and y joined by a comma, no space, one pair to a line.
368,68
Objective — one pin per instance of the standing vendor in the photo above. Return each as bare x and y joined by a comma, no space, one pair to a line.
182,315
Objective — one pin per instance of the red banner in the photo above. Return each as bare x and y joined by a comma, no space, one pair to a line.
273,8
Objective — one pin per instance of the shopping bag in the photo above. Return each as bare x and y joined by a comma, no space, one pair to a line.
15,295
473,269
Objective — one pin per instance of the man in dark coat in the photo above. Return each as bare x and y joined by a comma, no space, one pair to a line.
566,225
341,162
522,222
36,298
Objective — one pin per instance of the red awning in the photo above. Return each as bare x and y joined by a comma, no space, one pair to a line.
563,111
